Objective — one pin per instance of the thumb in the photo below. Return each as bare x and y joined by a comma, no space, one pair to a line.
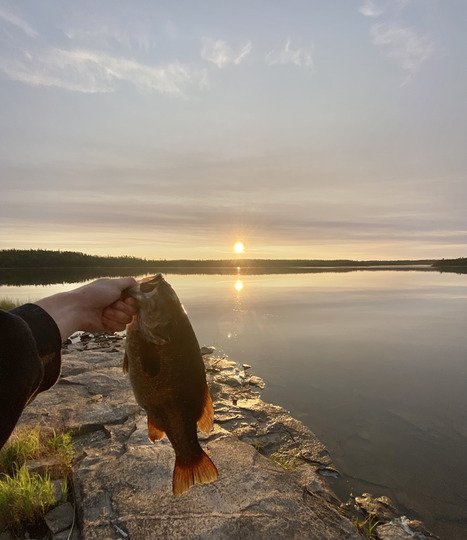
125,283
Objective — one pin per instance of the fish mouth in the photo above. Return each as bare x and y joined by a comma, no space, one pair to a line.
149,286
145,287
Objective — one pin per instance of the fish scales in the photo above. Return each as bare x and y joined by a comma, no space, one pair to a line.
168,378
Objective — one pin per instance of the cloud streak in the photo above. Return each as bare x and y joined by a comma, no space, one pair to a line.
408,49
97,72
370,9
164,219
221,54
18,23
403,44
376,8
298,57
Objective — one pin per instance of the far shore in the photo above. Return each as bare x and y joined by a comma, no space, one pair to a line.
43,267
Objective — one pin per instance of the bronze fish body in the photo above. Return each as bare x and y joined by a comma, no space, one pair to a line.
168,378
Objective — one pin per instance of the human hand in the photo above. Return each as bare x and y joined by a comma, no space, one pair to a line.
96,307
104,307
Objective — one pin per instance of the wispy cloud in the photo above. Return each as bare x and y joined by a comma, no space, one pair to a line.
221,54
408,49
287,55
371,9
96,72
376,8
404,44
19,23
245,51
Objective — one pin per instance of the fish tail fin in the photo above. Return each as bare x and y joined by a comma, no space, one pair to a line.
201,470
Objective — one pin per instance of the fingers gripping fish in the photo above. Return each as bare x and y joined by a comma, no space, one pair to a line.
168,379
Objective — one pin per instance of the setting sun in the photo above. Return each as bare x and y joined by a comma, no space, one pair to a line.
239,247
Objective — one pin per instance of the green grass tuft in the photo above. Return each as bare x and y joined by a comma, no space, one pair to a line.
20,447
6,304
367,526
24,498
62,446
288,462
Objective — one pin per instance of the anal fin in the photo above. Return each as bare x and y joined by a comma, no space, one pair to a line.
199,471
154,433
206,420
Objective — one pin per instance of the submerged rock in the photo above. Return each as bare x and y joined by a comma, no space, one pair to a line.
402,528
381,507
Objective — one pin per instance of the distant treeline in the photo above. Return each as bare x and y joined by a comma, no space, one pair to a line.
450,263
40,258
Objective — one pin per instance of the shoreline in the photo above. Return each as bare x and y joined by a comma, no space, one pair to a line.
259,449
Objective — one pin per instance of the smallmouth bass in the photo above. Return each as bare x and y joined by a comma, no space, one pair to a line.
168,378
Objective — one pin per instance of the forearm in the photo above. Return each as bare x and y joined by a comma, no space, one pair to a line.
65,310
31,338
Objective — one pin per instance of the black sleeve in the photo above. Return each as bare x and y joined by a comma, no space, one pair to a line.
30,361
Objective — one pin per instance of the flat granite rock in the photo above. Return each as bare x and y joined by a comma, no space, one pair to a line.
252,499
123,484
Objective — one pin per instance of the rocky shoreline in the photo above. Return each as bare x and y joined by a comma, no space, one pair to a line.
272,469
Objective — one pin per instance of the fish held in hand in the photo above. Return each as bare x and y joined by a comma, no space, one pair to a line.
168,378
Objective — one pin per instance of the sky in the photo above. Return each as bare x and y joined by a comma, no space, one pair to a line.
302,128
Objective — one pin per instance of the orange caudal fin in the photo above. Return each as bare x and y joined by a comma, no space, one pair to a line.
199,471
206,420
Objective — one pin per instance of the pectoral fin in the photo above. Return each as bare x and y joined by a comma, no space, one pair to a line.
206,420
154,433
125,363
150,358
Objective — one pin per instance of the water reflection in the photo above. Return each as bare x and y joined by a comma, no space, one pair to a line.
233,322
239,285
372,361
50,276
239,282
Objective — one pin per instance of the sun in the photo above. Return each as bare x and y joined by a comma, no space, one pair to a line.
239,247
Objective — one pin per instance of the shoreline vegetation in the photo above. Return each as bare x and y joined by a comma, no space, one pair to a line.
45,267
40,258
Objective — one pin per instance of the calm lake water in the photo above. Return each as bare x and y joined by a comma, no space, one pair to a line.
374,362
